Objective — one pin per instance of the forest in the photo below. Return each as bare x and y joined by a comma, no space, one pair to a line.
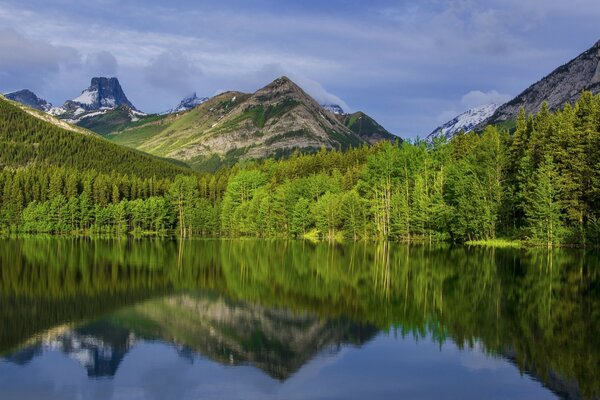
539,184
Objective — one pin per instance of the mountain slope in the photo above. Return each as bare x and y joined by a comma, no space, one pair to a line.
466,122
367,128
26,139
275,120
30,99
44,116
106,121
561,86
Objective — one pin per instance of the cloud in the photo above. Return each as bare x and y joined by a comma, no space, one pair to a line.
172,71
402,62
29,63
478,98
318,92
101,63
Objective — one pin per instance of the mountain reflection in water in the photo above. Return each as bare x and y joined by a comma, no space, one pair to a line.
277,305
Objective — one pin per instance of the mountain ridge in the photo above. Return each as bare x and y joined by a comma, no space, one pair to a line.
561,86
276,120
28,98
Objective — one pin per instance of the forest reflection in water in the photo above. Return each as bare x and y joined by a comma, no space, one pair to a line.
276,305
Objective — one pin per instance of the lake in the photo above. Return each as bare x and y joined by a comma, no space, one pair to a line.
210,319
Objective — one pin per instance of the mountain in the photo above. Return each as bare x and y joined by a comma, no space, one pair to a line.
334,108
561,86
188,103
105,121
46,117
366,127
30,99
103,94
274,121
30,137
466,122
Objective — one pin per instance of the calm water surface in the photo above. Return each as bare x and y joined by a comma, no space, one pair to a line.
199,319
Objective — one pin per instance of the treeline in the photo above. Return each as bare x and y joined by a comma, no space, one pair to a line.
26,140
541,184
61,200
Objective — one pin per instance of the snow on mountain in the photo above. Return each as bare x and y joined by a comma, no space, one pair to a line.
87,97
103,93
334,108
464,122
187,104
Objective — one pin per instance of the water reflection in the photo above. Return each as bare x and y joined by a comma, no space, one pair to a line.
277,305
275,340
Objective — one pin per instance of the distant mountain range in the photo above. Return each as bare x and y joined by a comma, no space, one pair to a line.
274,121
563,85
280,118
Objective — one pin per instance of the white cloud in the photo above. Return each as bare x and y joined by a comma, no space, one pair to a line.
478,98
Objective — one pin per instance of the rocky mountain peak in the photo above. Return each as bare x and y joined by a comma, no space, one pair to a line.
103,93
282,86
30,99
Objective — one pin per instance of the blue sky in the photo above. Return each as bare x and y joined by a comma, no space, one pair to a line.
410,64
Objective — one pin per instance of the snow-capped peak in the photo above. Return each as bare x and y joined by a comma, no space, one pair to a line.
464,122
334,108
188,103
103,93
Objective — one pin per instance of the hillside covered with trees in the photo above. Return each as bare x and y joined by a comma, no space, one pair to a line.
541,184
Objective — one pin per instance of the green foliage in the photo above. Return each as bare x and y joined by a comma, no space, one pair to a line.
540,306
26,140
541,185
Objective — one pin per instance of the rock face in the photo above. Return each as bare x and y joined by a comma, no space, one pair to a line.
563,85
30,99
102,96
188,103
274,121
466,122
102,93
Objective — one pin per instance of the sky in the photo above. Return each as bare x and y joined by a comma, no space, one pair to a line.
411,65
